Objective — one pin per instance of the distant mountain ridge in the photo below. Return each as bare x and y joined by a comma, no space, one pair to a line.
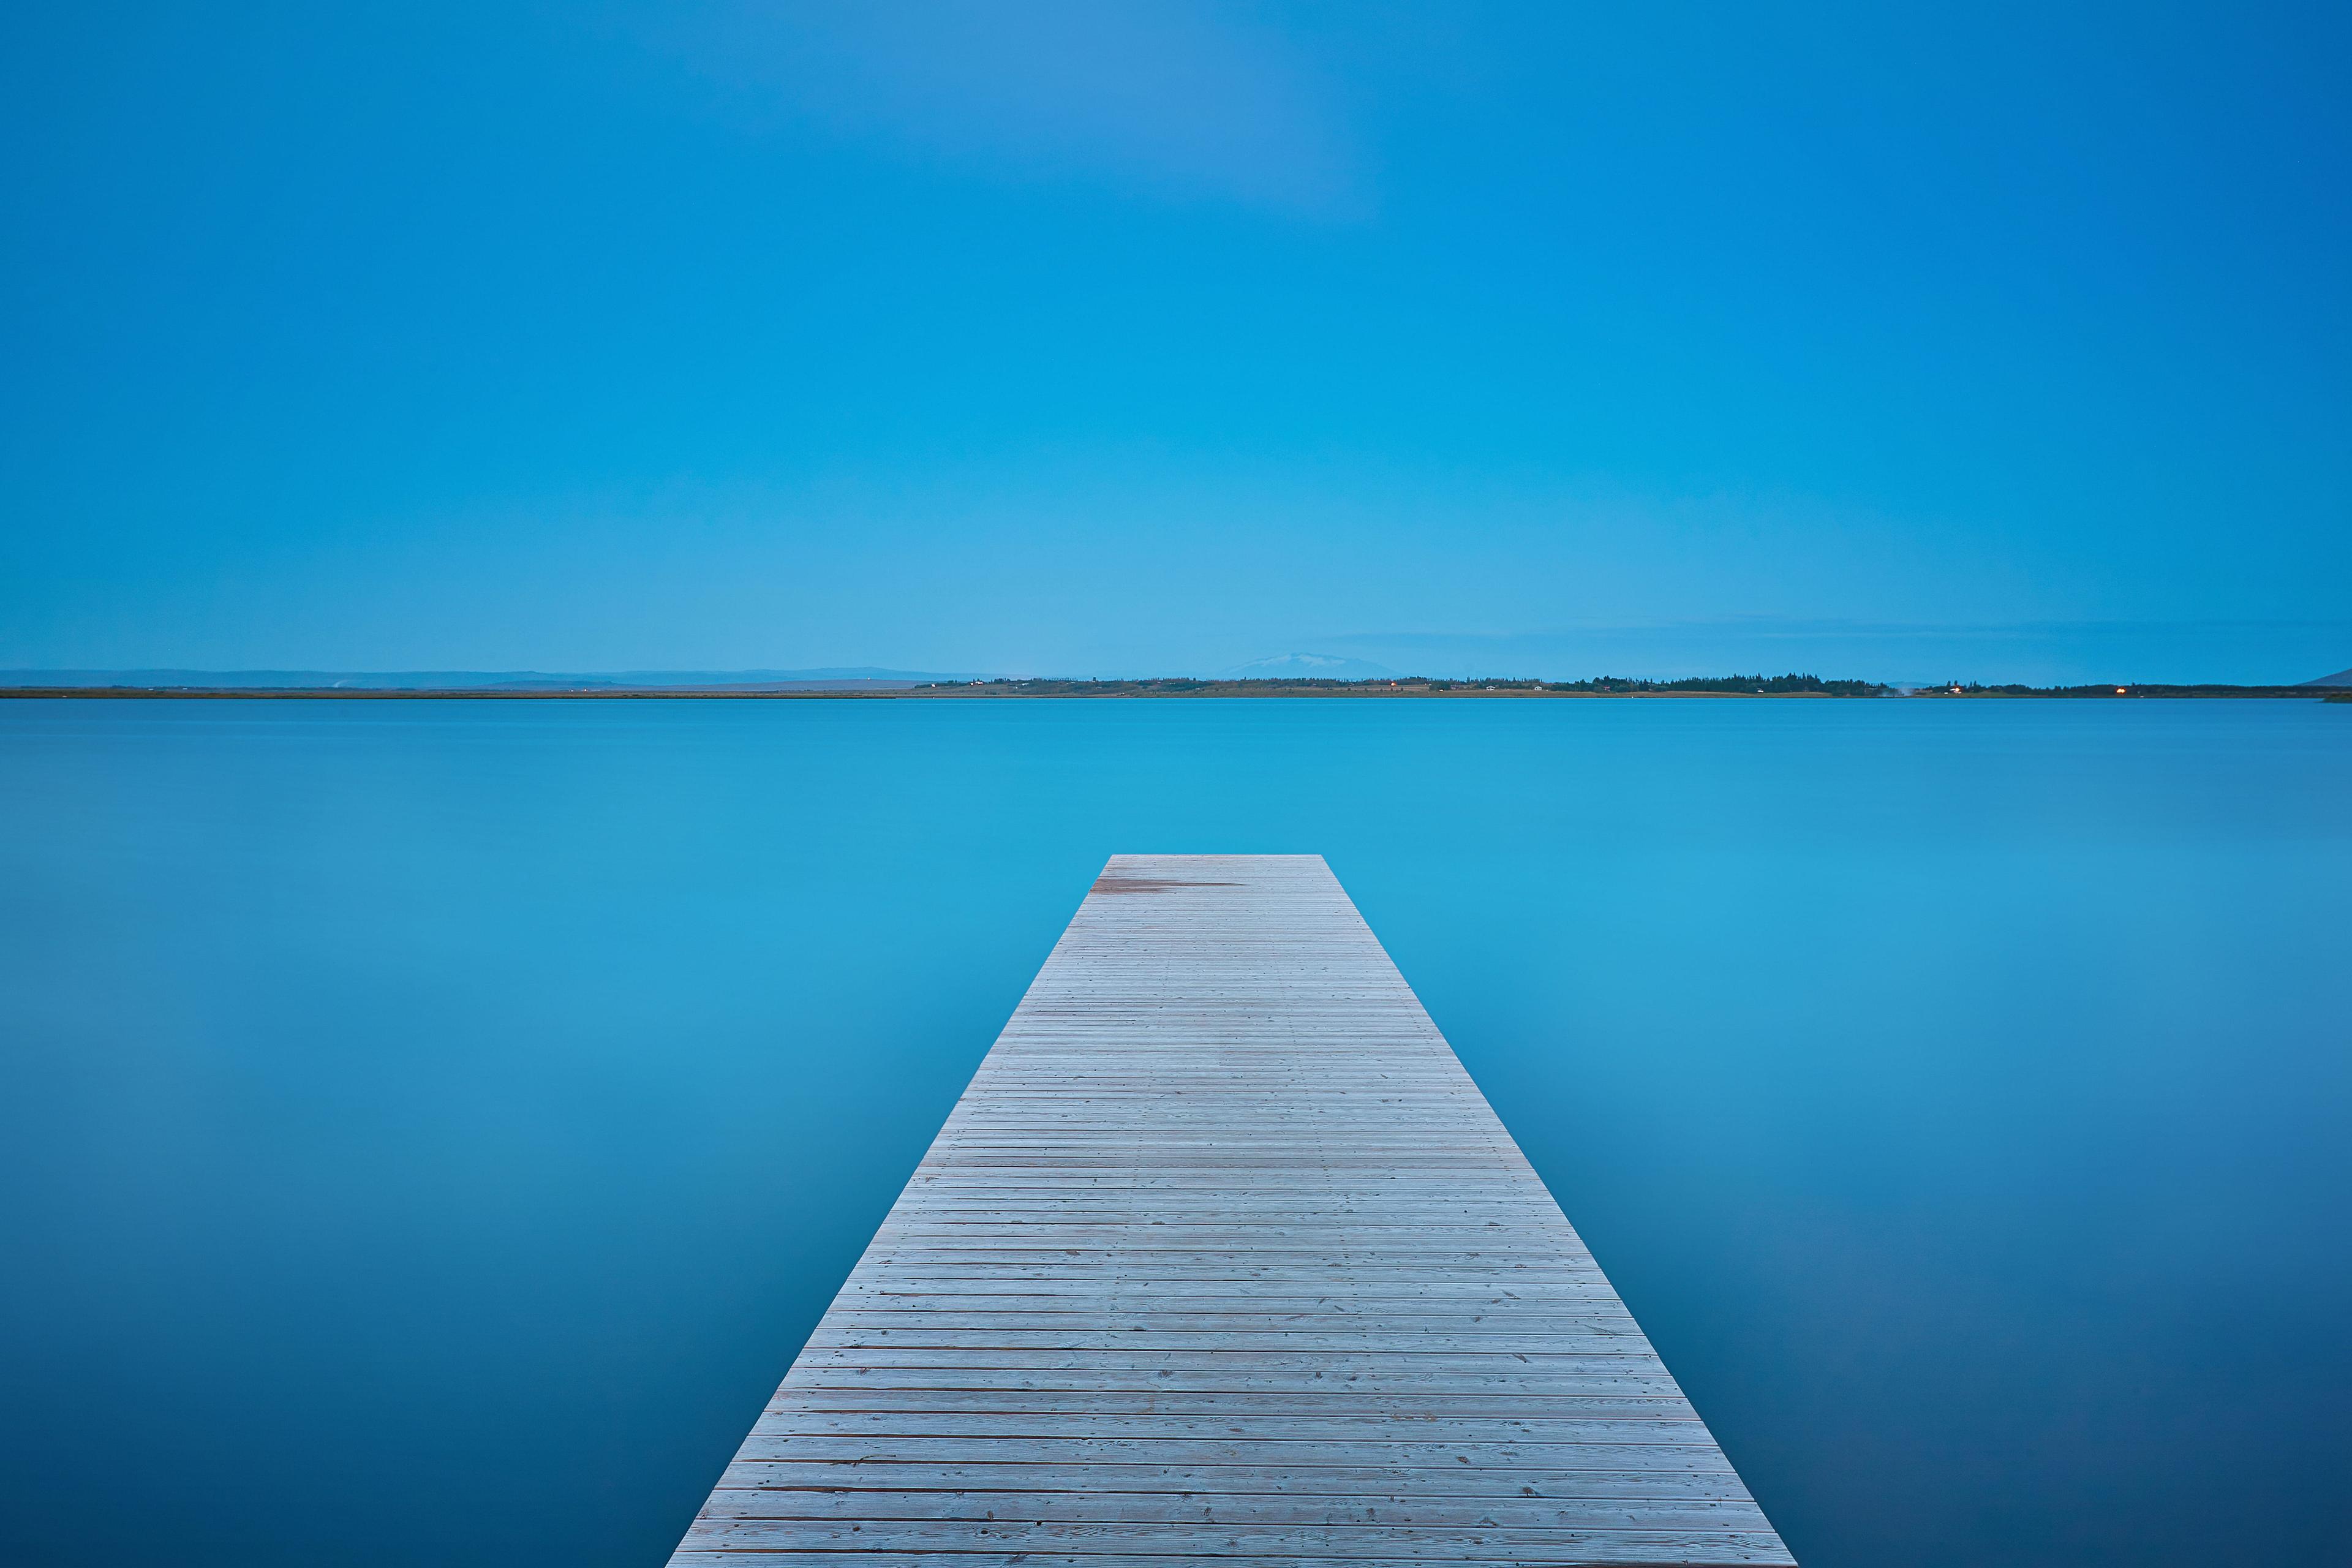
471,680
2341,678
1309,667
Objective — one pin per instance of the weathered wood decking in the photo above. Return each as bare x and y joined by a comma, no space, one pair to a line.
1223,1255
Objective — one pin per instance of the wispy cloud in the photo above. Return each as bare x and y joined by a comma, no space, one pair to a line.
1181,102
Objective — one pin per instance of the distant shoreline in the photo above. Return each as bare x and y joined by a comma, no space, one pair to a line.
1108,690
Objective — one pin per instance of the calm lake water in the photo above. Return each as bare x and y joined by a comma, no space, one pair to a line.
427,1130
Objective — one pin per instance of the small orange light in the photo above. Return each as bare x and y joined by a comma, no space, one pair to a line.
2119,691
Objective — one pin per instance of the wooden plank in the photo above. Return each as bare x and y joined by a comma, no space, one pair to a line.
1087,1505
1222,1254
1515,1454
1224,1480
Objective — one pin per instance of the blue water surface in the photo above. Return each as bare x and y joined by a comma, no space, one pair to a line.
428,1130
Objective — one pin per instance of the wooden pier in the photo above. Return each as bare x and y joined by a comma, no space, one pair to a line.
1222,1255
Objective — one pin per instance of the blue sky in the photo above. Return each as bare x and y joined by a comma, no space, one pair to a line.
2008,342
